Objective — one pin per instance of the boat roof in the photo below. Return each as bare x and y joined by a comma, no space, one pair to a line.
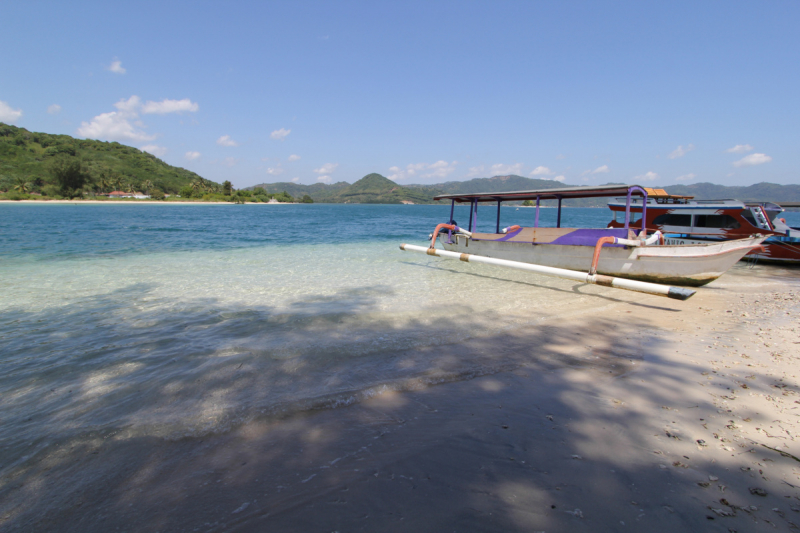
682,202
548,194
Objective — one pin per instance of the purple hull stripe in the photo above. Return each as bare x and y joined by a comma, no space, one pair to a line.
589,237
509,235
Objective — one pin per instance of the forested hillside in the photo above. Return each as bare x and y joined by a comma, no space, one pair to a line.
30,161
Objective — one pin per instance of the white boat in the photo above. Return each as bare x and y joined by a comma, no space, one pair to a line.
619,252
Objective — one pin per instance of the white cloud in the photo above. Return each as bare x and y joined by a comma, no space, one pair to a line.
440,170
294,157
475,171
437,170
324,179
685,177
156,150
561,156
275,171
295,180
327,168
504,170
116,67
131,105
541,171
7,114
113,126
680,151
191,156
226,140
752,159
54,109
169,106
601,170
739,149
229,161
280,134
559,178
647,176
124,124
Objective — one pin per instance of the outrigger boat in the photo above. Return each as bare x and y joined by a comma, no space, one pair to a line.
684,220
616,257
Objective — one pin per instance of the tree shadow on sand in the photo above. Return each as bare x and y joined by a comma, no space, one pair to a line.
583,425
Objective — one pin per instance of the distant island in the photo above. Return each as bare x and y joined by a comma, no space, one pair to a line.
41,166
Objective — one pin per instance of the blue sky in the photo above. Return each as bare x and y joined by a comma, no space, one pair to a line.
421,92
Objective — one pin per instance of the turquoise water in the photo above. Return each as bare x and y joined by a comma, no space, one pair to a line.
59,231
175,321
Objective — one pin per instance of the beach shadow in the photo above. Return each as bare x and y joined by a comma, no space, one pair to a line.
575,289
549,427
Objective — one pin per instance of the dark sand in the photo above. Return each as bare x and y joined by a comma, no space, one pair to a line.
670,416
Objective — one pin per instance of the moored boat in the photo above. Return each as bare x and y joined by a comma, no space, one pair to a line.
622,252
684,220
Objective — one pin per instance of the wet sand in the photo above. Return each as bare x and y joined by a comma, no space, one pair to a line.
655,416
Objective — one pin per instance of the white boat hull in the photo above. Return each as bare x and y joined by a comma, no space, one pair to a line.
691,265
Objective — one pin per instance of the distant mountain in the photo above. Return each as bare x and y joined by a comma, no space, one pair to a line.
320,192
496,184
29,155
375,188
760,192
371,189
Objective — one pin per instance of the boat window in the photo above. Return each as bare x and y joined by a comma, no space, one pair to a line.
670,219
716,221
748,216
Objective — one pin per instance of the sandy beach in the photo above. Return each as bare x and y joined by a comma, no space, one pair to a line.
654,415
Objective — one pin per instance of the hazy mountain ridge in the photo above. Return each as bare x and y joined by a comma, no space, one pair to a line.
371,189
759,192
375,188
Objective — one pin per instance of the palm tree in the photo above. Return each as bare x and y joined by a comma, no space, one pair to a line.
22,185
131,188
147,186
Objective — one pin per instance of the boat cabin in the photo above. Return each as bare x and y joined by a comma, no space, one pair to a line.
685,215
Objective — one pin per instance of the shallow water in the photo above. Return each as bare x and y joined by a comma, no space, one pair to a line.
175,321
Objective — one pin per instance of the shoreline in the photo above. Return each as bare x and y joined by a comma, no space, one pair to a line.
137,202
657,415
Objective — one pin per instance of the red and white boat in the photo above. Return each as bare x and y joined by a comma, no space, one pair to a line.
684,220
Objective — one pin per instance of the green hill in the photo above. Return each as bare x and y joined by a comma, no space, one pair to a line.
28,157
371,189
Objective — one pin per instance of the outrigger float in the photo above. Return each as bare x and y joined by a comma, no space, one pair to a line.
615,257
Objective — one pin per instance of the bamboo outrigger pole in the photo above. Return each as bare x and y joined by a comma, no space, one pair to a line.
677,293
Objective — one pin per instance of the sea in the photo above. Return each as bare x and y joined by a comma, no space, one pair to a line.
179,321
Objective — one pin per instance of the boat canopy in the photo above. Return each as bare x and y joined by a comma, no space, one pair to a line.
549,194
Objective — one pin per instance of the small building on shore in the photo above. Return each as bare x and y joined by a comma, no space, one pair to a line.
121,194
